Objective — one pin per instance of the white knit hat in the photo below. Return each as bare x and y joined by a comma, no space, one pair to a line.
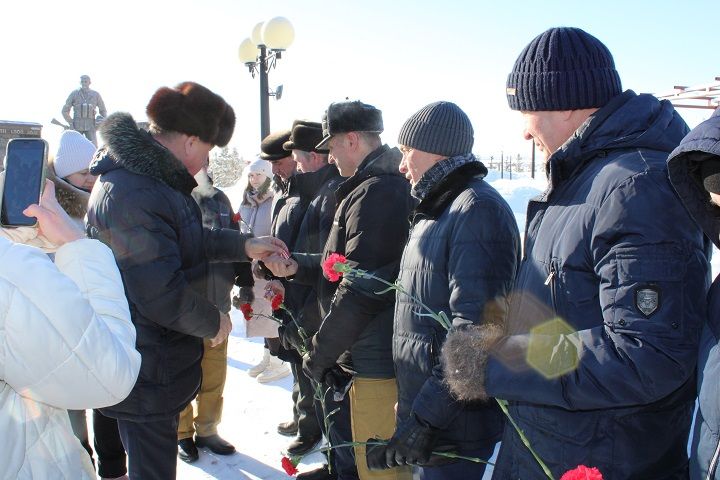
74,153
261,166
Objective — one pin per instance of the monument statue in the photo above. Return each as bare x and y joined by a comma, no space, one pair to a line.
84,102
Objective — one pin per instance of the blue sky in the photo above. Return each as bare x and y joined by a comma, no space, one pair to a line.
397,55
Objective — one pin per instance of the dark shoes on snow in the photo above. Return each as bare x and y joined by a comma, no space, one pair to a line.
188,448
215,443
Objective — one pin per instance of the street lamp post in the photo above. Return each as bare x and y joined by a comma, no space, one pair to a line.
260,53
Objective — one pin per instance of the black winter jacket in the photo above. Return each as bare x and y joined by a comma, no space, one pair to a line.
461,259
217,213
142,209
357,323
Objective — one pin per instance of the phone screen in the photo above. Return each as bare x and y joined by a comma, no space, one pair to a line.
24,165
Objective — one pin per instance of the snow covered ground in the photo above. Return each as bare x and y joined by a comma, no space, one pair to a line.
252,411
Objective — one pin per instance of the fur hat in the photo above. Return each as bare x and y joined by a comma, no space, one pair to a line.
349,116
563,69
192,109
260,166
74,153
305,136
441,128
271,147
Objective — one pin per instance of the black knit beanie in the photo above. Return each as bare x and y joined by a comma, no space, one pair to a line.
441,128
563,69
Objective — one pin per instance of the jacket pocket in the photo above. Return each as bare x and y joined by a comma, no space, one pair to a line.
649,292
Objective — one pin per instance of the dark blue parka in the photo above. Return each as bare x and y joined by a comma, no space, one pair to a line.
142,209
701,144
461,258
610,250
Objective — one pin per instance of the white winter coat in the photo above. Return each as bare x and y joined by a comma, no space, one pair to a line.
66,342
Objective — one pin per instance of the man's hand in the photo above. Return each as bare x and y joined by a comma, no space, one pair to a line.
412,443
274,287
259,248
281,267
224,331
53,223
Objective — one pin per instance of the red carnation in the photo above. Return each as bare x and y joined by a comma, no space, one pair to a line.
277,301
332,266
236,218
289,466
246,310
582,473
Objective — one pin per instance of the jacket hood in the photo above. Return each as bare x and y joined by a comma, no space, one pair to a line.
447,189
72,199
628,121
682,167
135,150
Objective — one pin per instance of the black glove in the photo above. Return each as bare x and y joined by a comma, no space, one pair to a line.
412,443
312,370
290,337
289,355
339,382
375,456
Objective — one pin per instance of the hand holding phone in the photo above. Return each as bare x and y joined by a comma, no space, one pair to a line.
53,222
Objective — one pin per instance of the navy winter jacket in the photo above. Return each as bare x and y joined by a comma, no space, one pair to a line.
702,144
610,250
142,209
461,258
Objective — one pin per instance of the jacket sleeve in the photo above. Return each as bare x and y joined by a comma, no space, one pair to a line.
374,240
482,263
68,340
642,240
146,247
225,245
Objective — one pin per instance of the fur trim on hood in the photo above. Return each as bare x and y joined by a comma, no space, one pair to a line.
135,150
464,357
72,199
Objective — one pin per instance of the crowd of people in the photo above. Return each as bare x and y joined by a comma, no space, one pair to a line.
587,343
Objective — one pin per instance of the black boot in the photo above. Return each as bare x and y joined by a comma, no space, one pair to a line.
187,451
302,445
289,429
215,443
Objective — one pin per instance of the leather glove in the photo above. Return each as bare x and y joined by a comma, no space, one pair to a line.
375,456
339,381
412,443
290,337
312,370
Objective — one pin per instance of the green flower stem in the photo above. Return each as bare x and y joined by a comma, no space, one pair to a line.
442,319
374,443
504,407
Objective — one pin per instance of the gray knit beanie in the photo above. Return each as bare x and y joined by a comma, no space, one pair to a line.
563,69
441,128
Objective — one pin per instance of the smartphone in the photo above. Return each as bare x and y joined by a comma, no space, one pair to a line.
25,163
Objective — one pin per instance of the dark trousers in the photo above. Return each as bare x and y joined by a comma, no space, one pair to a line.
341,460
108,446
303,396
151,448
459,469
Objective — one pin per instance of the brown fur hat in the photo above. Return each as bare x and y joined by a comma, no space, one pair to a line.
192,109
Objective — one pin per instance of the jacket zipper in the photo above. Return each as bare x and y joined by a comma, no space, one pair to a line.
550,281
713,462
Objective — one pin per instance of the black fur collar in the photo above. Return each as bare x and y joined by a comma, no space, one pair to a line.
135,150
447,189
